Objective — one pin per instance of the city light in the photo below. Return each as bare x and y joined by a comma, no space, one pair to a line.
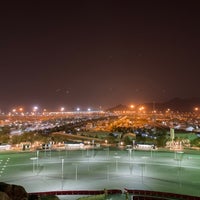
14,110
35,108
141,108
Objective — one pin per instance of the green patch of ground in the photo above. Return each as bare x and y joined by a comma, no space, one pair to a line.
190,136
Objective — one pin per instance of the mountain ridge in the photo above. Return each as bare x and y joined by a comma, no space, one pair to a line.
174,104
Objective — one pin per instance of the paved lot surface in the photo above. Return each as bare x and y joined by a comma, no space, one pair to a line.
102,168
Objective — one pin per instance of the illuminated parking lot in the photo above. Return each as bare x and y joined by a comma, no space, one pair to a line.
176,172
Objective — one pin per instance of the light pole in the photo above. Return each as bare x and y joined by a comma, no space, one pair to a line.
143,167
37,158
33,159
107,152
131,168
108,173
107,148
76,172
116,162
130,153
175,155
88,149
151,152
179,159
62,167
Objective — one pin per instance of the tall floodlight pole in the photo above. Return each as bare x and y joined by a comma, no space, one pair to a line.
92,148
175,155
108,172
76,171
143,167
33,159
107,152
37,158
116,162
33,166
87,152
45,150
172,135
130,153
62,167
50,146
180,157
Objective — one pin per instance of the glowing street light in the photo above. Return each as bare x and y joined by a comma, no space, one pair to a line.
35,108
14,110
141,108
168,110
62,109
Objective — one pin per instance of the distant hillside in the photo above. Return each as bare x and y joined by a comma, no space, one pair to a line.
179,104
119,108
175,104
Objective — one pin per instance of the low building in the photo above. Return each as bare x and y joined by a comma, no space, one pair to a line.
5,146
144,146
74,145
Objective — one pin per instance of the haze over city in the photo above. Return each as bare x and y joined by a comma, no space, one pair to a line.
97,53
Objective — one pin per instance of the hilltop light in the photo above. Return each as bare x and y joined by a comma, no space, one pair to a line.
62,109
141,108
35,108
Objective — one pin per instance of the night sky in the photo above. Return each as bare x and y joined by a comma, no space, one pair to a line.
97,53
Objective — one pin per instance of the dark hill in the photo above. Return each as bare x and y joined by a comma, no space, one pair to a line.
178,104
118,108
175,104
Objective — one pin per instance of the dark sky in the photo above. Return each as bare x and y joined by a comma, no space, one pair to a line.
98,53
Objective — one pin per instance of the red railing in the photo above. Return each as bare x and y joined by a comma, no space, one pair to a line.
147,194
77,192
136,194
